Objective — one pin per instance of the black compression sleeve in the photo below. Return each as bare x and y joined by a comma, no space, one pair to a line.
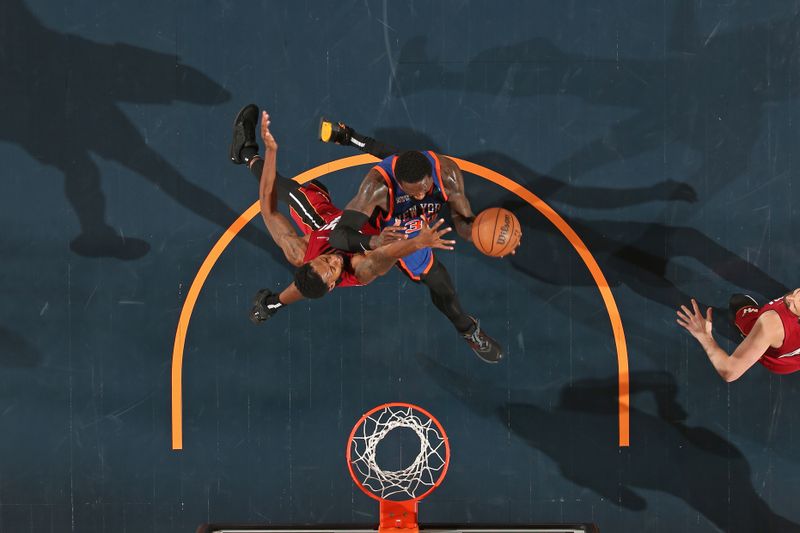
346,235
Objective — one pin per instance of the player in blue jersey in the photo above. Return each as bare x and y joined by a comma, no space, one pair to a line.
409,188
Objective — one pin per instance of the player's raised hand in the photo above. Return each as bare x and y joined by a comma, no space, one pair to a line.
396,232
694,321
266,135
431,236
514,251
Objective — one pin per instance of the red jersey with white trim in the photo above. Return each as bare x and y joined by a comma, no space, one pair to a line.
786,358
316,216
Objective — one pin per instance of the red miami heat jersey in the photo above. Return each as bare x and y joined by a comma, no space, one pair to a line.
316,216
786,358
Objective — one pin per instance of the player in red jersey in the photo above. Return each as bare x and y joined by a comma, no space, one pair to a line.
320,267
771,335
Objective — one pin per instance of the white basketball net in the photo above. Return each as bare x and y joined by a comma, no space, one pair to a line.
421,475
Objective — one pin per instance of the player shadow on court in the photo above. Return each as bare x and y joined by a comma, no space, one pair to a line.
718,88
60,103
642,256
16,351
544,186
637,254
579,433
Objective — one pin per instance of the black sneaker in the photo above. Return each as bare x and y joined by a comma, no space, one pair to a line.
265,304
244,132
482,344
334,132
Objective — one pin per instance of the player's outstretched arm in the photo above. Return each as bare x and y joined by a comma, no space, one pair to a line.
378,262
460,210
731,367
278,226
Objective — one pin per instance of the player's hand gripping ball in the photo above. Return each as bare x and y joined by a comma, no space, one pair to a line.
496,232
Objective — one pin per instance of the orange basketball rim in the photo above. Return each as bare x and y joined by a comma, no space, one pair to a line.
398,491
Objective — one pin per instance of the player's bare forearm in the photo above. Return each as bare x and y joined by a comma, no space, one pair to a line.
379,261
719,358
700,327
278,226
397,249
276,223
463,226
290,295
372,266
766,332
266,188
283,233
460,209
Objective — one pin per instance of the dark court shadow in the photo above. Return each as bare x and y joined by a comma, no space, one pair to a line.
717,88
643,256
59,101
546,186
579,433
16,352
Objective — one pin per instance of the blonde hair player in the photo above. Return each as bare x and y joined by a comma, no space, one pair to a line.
771,334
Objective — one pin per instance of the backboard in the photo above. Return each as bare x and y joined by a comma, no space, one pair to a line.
429,528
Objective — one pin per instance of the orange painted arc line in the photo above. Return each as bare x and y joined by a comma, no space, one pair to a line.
594,269
186,315
347,162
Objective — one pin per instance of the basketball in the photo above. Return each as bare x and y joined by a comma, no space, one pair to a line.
496,232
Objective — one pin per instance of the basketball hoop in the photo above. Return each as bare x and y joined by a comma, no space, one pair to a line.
398,491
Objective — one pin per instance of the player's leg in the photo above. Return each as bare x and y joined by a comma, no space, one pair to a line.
244,149
444,297
284,185
85,194
309,204
341,133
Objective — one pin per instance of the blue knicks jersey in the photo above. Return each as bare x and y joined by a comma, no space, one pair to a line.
408,211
